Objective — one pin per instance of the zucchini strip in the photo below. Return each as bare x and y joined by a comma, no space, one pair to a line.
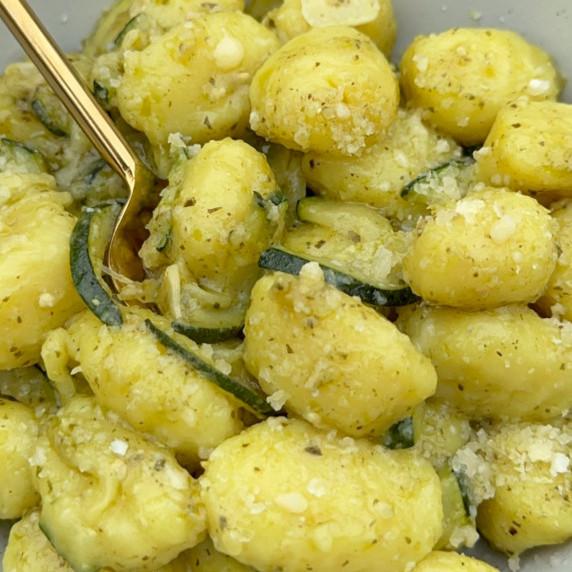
277,258
400,435
83,273
456,513
427,176
204,335
254,402
44,118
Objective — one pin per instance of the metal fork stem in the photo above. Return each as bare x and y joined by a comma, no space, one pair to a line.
70,88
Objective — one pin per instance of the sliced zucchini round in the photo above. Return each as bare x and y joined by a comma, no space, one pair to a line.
88,242
351,219
256,403
278,258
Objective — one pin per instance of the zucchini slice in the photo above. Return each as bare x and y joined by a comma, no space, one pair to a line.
76,566
430,186
455,505
206,335
49,118
278,258
400,435
139,21
17,157
87,246
405,433
358,221
256,403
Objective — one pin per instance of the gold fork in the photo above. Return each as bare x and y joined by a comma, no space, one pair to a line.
121,256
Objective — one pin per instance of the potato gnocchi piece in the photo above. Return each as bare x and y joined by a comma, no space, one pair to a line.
378,175
374,18
522,473
506,363
18,433
194,79
221,210
329,358
529,148
29,549
283,494
95,473
171,13
441,561
328,90
156,392
463,76
490,248
557,298
36,290
125,16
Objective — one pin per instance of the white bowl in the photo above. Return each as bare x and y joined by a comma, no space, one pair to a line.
547,24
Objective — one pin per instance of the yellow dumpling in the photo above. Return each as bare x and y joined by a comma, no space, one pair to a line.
18,432
36,289
329,90
528,148
522,474
284,495
329,358
129,374
194,79
490,248
374,18
222,208
557,298
96,473
463,76
506,363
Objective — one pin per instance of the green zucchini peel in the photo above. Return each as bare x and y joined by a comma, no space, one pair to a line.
84,277
254,402
277,258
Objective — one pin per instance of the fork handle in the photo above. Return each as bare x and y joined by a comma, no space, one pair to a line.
70,88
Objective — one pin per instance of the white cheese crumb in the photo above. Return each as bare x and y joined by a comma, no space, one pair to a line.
47,300
317,487
503,229
538,86
384,510
421,62
119,447
292,502
469,208
560,464
278,399
343,111
228,54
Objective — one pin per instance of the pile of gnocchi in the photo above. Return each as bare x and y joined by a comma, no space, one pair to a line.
352,349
